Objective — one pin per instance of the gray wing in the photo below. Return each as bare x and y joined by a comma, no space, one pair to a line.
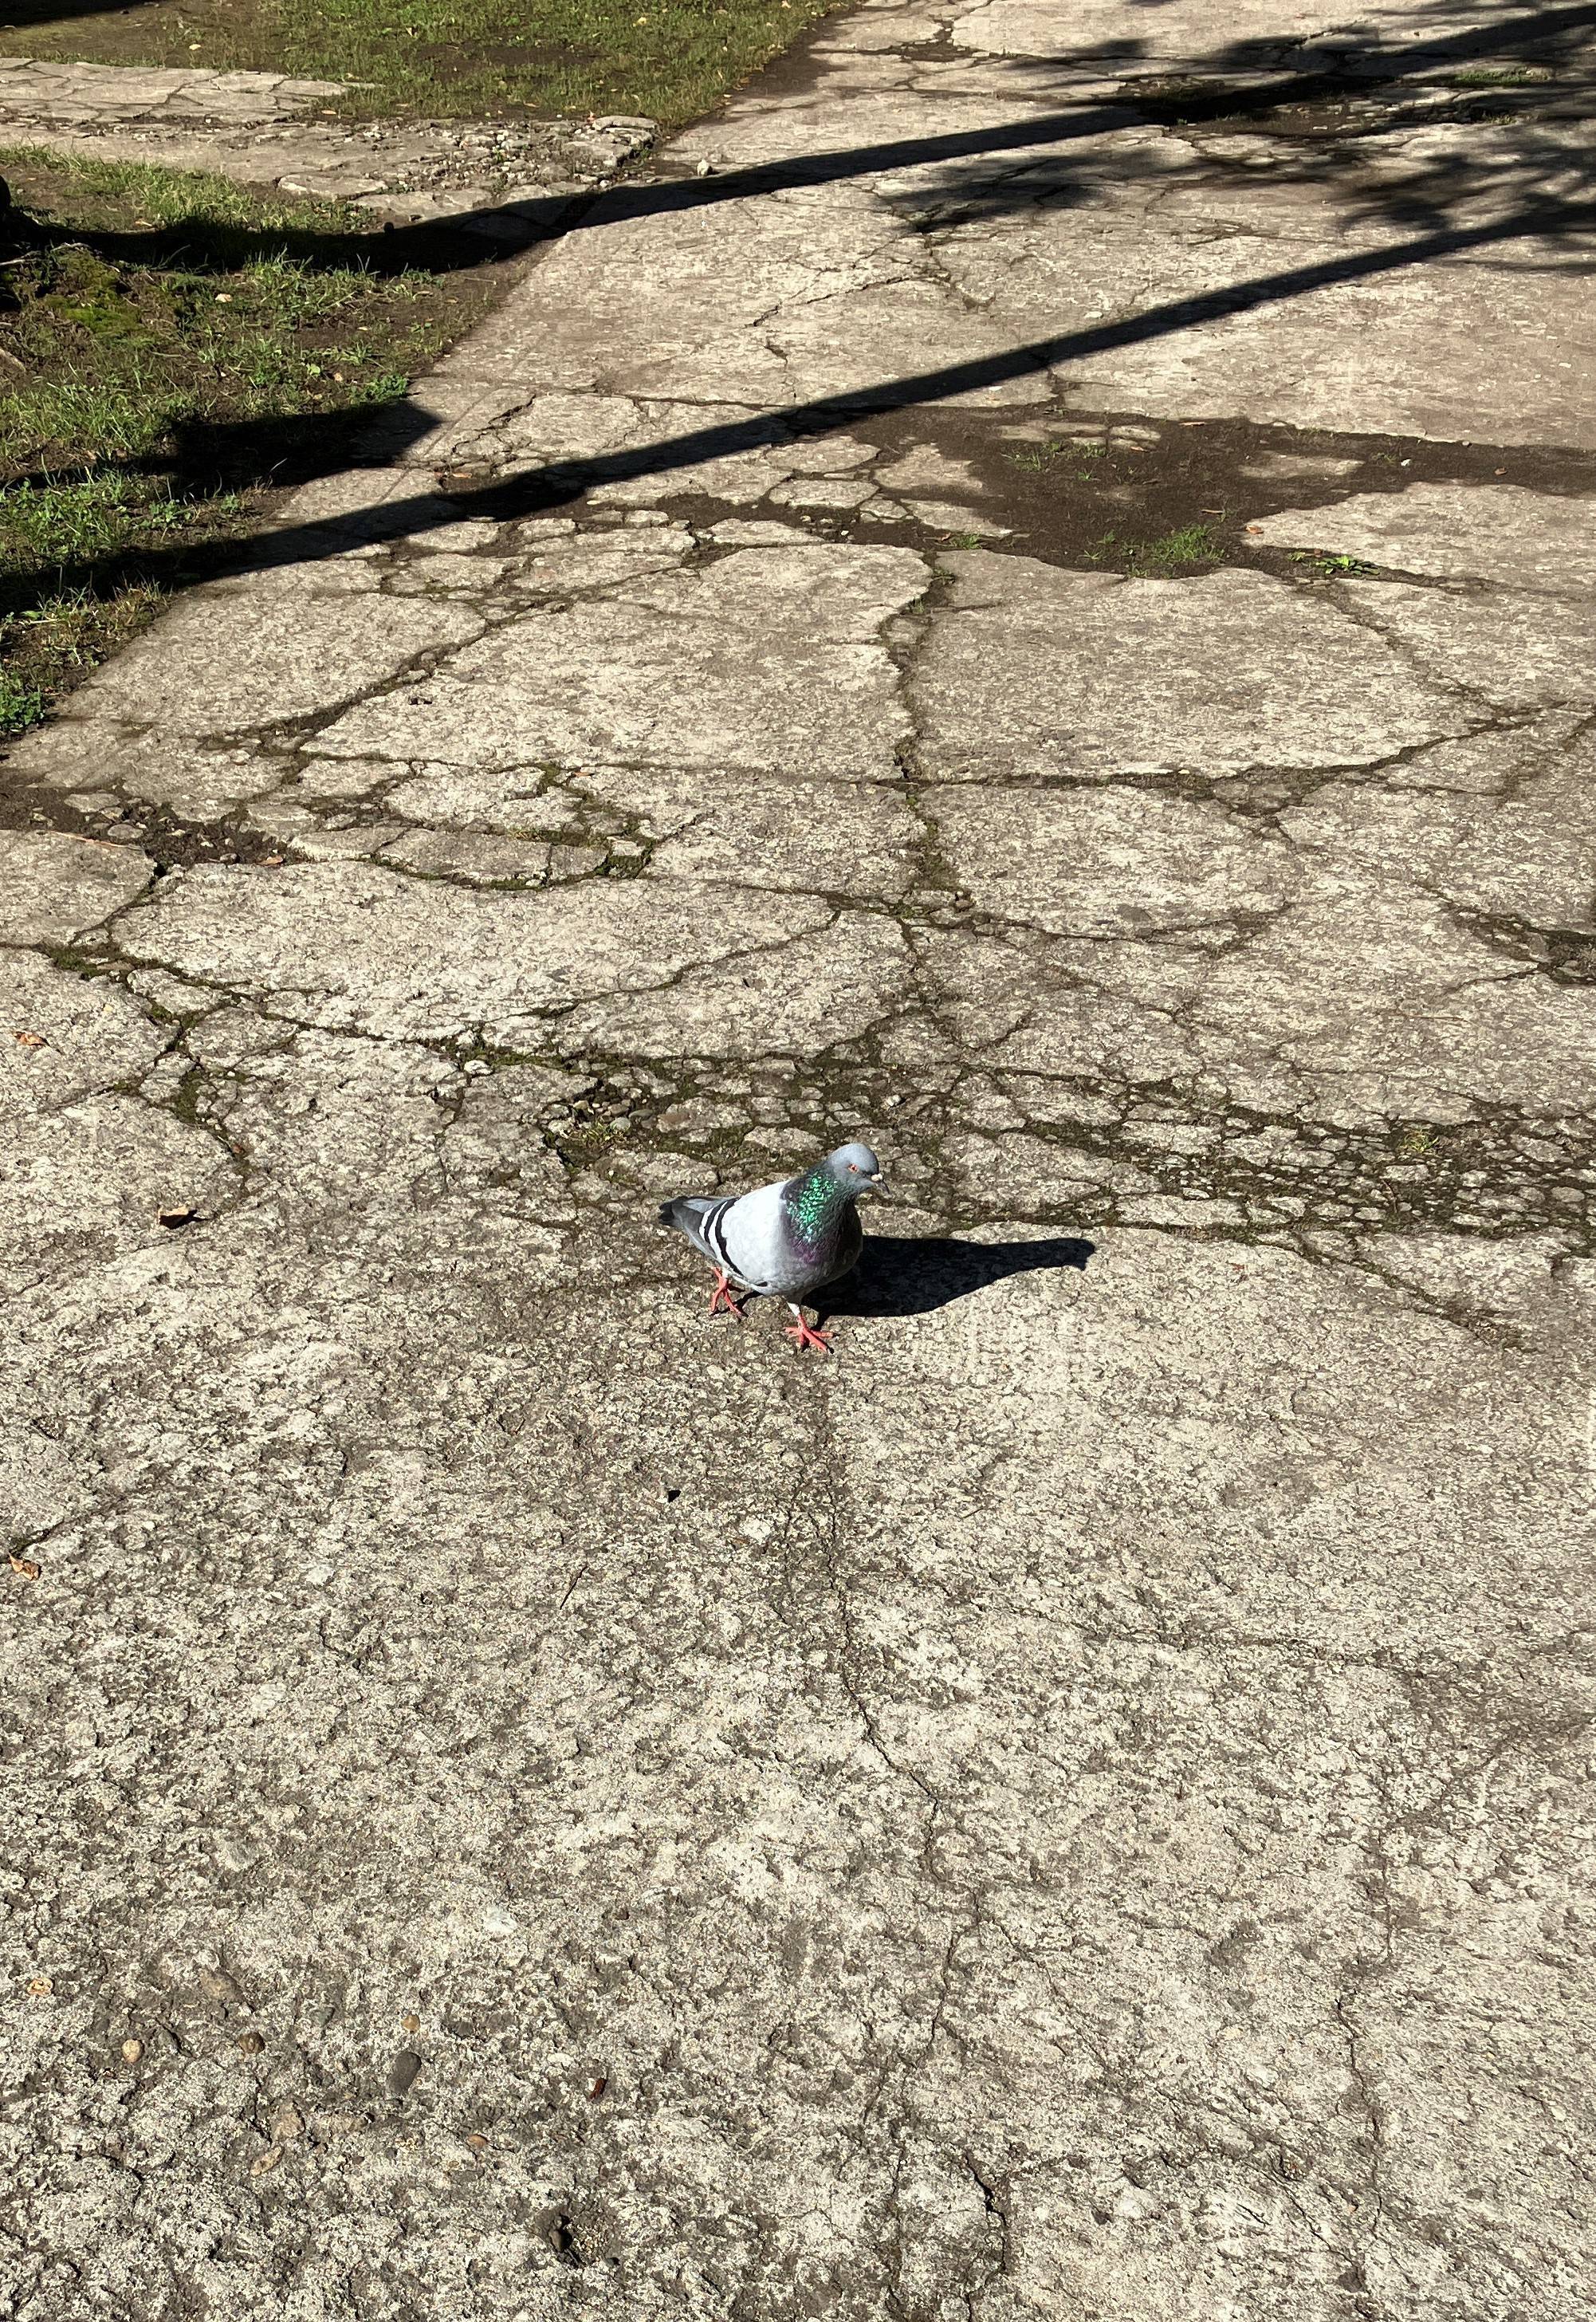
743,1233
757,1243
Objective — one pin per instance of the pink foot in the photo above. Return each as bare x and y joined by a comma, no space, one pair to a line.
721,1300
804,1337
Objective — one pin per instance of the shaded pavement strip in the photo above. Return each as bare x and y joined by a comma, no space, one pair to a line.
540,490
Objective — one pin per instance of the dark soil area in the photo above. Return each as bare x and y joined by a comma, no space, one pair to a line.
1157,498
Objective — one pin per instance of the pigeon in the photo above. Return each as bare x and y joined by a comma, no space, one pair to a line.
787,1239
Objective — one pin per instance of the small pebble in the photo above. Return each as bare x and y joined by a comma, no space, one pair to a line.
402,2071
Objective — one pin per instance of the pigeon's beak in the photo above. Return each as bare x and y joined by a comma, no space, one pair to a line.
876,1184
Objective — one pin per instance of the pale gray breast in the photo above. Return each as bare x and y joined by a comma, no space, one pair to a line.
795,1271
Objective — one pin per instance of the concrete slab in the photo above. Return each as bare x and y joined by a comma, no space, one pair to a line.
530,1803
53,887
1513,538
1038,672
770,653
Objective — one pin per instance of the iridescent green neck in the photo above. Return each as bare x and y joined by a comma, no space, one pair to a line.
814,1203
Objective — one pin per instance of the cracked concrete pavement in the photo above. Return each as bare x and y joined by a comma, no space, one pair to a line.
528,1805
266,129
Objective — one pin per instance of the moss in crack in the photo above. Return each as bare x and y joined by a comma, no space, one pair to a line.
478,1057
177,1020
587,1142
184,1103
1417,1142
73,960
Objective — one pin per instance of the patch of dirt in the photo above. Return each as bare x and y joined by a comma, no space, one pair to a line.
1113,490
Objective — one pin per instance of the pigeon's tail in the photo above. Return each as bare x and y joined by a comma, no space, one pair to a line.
684,1213
698,1216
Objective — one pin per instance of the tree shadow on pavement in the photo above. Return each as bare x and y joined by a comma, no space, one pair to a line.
1221,87
915,1273
1443,206
319,445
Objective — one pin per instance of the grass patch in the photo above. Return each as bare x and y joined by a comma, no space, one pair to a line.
171,349
1039,459
1415,1142
1175,552
1194,543
1500,76
669,59
51,643
21,705
45,524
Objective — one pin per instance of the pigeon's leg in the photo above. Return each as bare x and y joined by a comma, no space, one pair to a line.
803,1335
720,1297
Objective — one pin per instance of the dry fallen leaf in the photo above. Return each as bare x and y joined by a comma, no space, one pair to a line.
251,2044
478,2142
41,1987
173,1219
266,2160
131,2050
31,1040
24,1566
411,2023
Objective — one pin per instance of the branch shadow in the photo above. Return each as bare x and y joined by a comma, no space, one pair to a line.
915,1273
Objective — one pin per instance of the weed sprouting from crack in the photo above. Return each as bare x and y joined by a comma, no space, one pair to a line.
1321,565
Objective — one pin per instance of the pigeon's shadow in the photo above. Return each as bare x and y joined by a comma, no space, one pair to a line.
914,1274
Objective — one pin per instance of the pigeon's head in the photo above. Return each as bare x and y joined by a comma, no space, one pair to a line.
856,1169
